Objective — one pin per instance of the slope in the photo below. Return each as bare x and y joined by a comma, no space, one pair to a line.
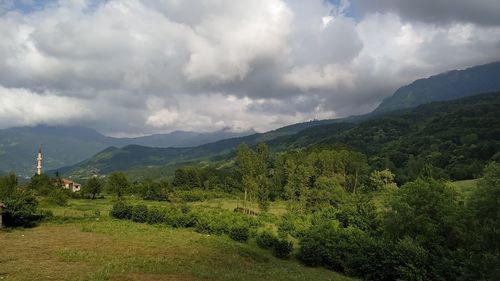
455,137
445,86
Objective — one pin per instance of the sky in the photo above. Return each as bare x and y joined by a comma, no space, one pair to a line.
136,67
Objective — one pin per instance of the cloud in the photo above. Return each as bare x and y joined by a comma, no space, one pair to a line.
143,66
484,12
21,107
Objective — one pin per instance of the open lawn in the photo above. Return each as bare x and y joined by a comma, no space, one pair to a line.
81,246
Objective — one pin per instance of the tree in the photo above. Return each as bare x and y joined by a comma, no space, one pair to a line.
8,185
253,167
382,180
297,186
117,183
485,209
427,211
22,209
93,187
42,184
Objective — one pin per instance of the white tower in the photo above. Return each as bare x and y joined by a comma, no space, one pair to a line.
39,162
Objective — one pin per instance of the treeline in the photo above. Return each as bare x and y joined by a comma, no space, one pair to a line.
354,219
453,139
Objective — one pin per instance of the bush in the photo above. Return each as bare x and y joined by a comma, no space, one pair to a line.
58,197
282,248
294,225
121,210
239,233
140,213
156,216
266,239
21,209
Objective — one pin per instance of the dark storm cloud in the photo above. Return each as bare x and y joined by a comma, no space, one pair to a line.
485,12
140,66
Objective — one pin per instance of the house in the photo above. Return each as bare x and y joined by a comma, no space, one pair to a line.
71,185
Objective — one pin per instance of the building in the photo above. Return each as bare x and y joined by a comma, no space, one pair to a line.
39,161
71,185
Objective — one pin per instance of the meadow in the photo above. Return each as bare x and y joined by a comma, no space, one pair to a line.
81,242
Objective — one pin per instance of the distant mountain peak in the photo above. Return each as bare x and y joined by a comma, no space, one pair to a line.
449,85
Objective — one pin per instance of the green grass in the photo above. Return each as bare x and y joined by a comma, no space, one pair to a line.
83,246
464,188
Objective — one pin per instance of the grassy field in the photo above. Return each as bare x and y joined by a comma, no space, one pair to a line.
464,188
77,245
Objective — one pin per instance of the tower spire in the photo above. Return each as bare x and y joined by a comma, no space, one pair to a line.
39,161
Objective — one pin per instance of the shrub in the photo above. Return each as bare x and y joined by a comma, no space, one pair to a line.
266,239
282,248
156,215
58,197
294,225
140,213
121,210
21,209
239,233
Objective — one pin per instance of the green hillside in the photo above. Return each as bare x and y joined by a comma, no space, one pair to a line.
446,86
456,137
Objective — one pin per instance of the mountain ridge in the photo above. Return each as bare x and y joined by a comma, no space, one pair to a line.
383,130
449,85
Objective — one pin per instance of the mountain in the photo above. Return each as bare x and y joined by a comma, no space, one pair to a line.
177,139
67,145
463,132
61,146
139,157
446,86
456,137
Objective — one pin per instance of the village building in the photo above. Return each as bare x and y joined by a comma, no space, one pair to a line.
66,183
71,185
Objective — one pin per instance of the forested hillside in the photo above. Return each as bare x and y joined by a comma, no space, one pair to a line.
450,139
68,145
445,86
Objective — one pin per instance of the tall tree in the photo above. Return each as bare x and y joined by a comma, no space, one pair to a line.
8,185
93,187
117,183
485,207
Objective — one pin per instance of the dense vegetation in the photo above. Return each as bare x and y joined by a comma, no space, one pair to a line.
455,137
450,140
366,199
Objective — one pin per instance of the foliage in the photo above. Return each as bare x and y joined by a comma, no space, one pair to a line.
282,248
8,184
485,221
42,184
140,213
59,197
121,210
21,209
253,167
117,183
239,233
265,239
93,187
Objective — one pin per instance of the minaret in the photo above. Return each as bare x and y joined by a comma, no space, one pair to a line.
39,161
